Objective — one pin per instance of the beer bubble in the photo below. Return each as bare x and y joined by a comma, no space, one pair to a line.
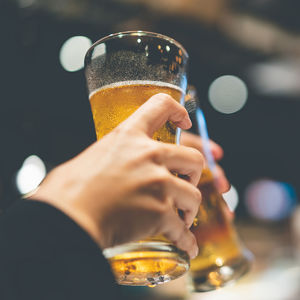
219,261
226,271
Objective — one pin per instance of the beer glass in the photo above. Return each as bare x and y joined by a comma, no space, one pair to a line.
222,258
123,71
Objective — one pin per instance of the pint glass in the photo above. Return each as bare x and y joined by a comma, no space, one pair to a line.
123,71
222,258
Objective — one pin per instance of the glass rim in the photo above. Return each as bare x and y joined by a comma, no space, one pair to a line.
138,33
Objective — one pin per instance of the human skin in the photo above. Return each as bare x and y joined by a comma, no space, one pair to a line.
123,188
192,140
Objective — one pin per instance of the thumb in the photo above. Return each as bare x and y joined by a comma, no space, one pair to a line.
155,112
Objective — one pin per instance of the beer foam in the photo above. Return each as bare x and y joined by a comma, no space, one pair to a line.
137,82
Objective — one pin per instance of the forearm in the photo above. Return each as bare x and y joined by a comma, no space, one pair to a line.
43,253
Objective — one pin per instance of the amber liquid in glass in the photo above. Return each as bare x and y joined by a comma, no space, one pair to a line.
114,103
110,106
221,258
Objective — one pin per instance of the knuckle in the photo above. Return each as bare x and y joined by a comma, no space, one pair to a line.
163,179
153,149
126,129
167,101
162,176
201,160
197,156
198,163
194,203
164,209
122,129
198,195
157,152
156,184
165,98
162,212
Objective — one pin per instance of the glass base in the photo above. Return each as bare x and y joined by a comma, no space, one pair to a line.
146,263
216,277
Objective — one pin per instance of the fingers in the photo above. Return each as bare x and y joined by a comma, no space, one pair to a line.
186,197
182,160
195,141
175,230
222,183
154,113
192,140
217,150
171,190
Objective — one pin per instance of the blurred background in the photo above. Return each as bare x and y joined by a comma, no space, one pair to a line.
245,65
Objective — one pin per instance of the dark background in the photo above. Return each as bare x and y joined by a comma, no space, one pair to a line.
45,109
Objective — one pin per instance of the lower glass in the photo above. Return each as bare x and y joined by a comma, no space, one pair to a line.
222,258
214,277
146,263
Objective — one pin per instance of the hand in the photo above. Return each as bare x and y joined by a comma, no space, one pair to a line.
122,188
192,140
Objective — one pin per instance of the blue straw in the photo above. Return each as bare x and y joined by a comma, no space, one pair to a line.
202,128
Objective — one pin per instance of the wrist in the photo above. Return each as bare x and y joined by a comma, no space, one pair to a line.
48,192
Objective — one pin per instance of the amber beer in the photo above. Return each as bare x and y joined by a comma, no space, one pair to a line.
221,257
114,103
111,105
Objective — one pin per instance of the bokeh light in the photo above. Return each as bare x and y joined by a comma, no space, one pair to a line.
270,200
278,77
30,174
26,3
228,94
231,198
72,53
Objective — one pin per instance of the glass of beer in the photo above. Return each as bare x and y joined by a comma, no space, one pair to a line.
123,71
222,258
